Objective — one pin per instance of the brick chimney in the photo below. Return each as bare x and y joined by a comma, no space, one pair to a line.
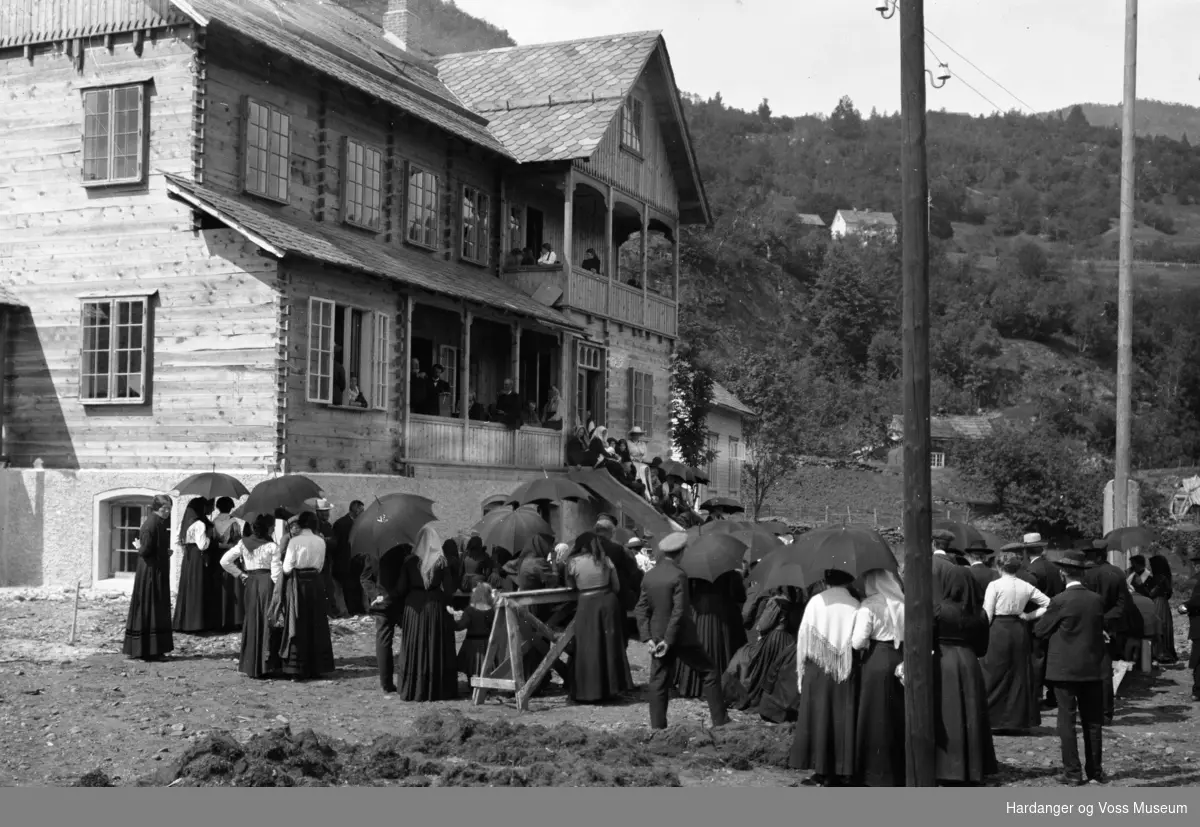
402,24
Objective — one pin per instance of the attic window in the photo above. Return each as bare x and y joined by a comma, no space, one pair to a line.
631,125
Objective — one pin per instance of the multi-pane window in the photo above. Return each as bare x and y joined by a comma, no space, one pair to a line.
113,351
126,521
448,359
476,224
735,466
631,124
362,186
268,150
641,403
424,207
113,136
937,459
349,355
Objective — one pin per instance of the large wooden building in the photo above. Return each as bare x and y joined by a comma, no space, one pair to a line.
220,218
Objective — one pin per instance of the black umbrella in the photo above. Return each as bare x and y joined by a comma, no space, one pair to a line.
211,485
710,556
547,490
289,492
392,520
1127,539
850,549
780,568
965,535
725,503
515,529
673,468
759,543
716,527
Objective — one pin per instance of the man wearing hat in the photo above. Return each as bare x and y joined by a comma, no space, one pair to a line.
666,626
1049,581
1192,610
1073,629
981,571
337,602
942,561
629,576
1108,581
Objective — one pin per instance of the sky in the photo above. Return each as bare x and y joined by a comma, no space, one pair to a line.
804,55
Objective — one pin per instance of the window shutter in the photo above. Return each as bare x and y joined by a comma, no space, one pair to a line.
320,351
141,135
383,346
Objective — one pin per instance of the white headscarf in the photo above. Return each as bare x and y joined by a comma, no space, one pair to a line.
825,635
885,596
428,550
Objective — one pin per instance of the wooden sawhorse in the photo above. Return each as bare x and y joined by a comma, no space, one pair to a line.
507,674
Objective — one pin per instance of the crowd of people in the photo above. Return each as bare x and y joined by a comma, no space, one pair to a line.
1008,628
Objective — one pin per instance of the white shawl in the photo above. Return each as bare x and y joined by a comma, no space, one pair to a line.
825,634
883,587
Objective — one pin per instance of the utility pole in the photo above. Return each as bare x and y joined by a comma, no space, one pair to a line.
1125,276
919,679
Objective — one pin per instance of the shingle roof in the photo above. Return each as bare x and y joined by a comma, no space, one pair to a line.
810,219
863,218
953,427
8,298
334,245
724,399
550,101
339,43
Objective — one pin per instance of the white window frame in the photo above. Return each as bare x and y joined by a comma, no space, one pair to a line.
375,352
735,466
114,550
937,459
641,400
110,127
272,180
362,185
448,359
113,350
476,213
430,238
633,121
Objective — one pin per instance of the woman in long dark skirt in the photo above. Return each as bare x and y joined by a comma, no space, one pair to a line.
1013,704
148,627
194,611
306,648
599,665
879,631
1160,588
260,571
717,609
225,589
966,753
477,565
824,739
428,668
774,632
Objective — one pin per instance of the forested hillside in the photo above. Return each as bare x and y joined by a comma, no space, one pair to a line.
1171,120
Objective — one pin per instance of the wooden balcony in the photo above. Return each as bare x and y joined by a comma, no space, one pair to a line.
441,439
595,294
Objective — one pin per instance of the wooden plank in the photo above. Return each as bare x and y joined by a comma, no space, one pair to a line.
526,692
493,683
489,657
515,647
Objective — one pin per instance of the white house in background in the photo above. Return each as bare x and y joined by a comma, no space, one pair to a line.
864,223
726,420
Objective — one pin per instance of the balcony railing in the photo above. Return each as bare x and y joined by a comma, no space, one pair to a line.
594,294
441,439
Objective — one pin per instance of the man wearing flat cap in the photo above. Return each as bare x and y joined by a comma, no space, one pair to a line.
666,626
1108,581
1073,630
1192,609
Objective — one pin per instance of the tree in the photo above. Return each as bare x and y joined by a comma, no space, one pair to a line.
846,121
764,110
691,400
1076,120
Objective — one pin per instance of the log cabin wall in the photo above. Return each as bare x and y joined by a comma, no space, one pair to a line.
212,327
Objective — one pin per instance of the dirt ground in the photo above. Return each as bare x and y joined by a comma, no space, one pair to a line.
84,711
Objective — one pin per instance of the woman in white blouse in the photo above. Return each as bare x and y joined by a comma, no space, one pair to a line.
879,631
259,556
1008,666
195,611
306,649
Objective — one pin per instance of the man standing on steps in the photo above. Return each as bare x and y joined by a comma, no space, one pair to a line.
666,626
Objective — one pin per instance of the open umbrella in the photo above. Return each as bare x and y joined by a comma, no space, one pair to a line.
391,520
211,485
1127,539
710,556
495,516
773,526
288,491
994,542
547,490
674,468
493,502
758,543
725,503
778,569
515,530
715,527
965,534
851,549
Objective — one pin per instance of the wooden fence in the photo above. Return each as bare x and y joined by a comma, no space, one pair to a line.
824,515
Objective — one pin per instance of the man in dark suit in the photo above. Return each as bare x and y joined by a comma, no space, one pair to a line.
981,571
380,576
346,568
666,626
1192,610
942,561
1049,581
628,573
1073,629
1108,581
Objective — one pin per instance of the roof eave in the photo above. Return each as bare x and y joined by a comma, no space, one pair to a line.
702,206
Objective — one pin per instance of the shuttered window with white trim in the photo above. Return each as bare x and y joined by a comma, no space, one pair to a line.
320,350
383,361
